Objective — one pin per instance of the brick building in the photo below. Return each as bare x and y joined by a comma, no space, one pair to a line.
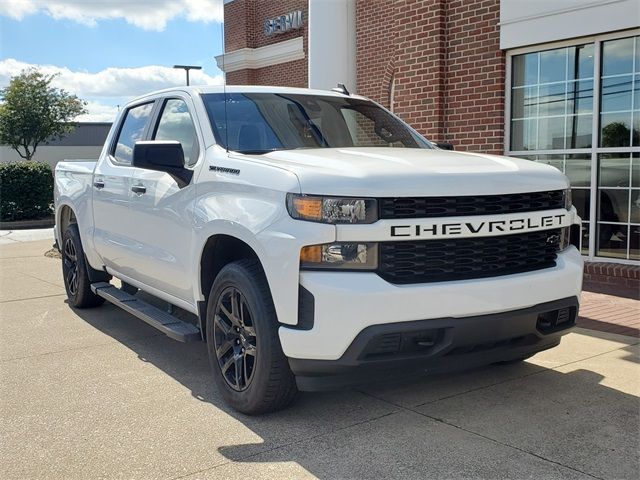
555,81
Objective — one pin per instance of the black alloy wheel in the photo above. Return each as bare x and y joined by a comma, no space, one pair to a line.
76,272
235,339
70,259
249,367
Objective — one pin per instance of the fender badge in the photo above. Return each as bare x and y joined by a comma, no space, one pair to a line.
231,171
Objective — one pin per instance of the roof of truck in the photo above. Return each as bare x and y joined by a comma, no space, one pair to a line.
198,89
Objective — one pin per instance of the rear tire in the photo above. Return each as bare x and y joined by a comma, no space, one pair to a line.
75,271
249,368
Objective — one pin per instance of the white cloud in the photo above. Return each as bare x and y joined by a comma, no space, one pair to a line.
111,85
99,112
146,14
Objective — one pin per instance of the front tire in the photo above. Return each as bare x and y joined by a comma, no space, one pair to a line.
74,271
249,368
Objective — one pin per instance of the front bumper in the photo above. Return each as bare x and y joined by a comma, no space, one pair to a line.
345,303
439,345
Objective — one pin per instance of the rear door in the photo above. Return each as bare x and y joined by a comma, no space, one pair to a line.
115,227
163,211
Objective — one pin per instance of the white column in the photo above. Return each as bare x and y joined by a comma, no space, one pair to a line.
332,44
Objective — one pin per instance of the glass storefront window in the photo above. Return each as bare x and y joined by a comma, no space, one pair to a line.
552,99
578,132
612,240
618,204
553,105
578,168
617,56
614,129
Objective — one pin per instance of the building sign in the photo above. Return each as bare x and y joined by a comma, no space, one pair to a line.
283,23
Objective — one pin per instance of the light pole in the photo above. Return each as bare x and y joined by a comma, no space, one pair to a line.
186,68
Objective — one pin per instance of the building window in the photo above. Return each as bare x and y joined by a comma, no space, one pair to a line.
554,96
552,99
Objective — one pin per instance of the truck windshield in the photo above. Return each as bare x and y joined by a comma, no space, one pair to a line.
263,122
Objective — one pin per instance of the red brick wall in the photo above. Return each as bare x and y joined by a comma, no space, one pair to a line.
244,21
376,46
443,54
475,72
623,280
238,24
447,65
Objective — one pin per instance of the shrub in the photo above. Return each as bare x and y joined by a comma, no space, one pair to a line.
26,190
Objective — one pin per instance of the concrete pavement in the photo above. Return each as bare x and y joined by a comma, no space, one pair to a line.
7,237
99,394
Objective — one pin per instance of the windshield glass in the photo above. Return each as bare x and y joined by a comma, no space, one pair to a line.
263,122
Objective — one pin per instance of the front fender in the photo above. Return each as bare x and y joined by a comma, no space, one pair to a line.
257,216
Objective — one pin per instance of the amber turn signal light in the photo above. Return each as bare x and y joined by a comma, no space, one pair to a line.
308,208
311,254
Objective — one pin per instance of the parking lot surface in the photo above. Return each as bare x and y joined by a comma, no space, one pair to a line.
99,394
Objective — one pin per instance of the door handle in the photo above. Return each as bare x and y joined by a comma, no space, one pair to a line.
139,189
99,184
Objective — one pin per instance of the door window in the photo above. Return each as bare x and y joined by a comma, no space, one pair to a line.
176,124
132,130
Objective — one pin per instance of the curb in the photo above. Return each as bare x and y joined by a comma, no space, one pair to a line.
26,224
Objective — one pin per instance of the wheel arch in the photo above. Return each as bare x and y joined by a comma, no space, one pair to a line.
66,216
220,250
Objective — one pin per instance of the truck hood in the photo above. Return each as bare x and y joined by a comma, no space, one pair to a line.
390,172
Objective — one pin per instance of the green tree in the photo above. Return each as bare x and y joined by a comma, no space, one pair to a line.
32,112
616,134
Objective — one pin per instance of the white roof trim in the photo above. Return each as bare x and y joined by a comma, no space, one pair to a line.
252,58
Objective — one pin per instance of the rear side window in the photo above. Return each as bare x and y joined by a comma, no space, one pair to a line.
176,124
133,127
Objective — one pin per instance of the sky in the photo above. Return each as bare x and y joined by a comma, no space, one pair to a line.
110,51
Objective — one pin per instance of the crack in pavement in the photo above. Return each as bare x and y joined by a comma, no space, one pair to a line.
32,298
42,280
472,432
296,441
542,370
439,420
493,440
533,454
85,347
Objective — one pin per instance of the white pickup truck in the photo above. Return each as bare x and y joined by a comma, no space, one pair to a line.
314,240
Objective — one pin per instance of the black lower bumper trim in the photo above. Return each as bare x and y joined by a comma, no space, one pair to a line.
439,345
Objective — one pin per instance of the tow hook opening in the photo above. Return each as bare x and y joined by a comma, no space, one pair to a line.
556,320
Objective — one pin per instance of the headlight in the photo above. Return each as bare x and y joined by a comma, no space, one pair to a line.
567,199
332,209
344,256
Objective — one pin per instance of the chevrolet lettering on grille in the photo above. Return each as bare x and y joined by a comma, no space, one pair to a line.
479,227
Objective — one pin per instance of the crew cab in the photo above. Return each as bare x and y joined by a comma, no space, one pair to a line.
314,240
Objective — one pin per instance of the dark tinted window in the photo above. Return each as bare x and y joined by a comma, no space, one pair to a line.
176,124
135,122
260,122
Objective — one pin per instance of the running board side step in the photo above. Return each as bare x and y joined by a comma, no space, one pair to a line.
167,324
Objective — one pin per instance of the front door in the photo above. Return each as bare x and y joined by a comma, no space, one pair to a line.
163,211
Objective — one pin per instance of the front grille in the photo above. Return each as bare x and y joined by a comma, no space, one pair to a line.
429,207
464,258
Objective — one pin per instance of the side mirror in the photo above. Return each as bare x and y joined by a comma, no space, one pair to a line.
444,145
162,156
